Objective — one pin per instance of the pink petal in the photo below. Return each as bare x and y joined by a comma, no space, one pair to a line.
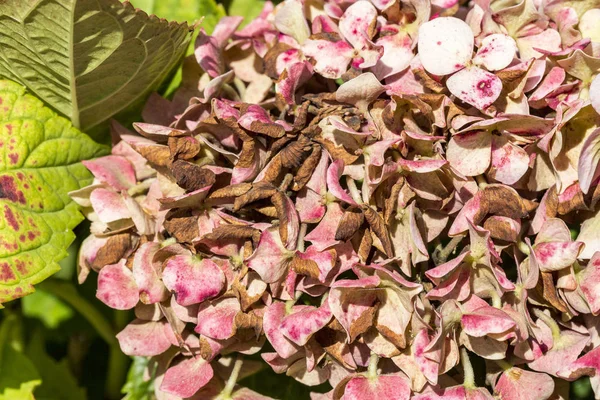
216,318
422,166
509,161
301,325
272,319
187,377
588,364
551,82
309,206
333,182
471,152
554,256
475,86
146,338
519,384
564,352
496,52
323,236
332,58
590,283
383,387
147,274
115,171
347,303
397,54
116,287
356,24
486,320
296,76
269,258
208,54
445,45
588,166
109,206
192,279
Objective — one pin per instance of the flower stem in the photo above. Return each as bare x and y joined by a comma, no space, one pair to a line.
441,254
233,377
301,234
353,190
548,321
373,361
469,380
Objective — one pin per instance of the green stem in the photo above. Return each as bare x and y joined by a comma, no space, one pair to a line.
5,327
469,380
443,253
117,361
523,248
373,361
503,364
233,377
550,322
67,292
481,181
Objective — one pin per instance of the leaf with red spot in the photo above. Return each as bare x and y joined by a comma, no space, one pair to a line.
36,173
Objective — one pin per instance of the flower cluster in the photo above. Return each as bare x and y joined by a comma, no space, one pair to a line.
365,193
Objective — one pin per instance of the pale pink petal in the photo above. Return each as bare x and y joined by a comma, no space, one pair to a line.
383,387
496,52
115,171
147,274
305,321
397,53
509,161
269,260
333,182
116,287
216,318
595,93
185,378
471,152
192,279
554,256
475,86
290,20
146,338
445,45
588,166
272,319
357,23
323,236
332,58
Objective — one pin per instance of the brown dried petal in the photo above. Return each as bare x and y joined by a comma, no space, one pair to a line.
307,168
183,147
248,321
115,249
259,191
428,81
379,229
547,291
280,202
157,155
222,232
505,201
273,170
365,246
231,191
190,176
500,229
294,153
305,267
246,158
351,221
271,58
363,323
181,225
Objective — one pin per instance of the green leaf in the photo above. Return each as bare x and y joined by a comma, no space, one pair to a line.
40,154
47,308
24,392
57,381
88,59
184,10
249,9
136,387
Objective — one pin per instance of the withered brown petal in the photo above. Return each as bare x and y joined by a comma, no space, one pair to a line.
366,242
190,176
379,229
115,249
363,323
351,221
259,191
428,81
305,267
155,154
231,191
547,290
185,148
294,153
246,158
273,170
248,321
234,232
307,168
500,230
279,201
182,225
505,201
271,58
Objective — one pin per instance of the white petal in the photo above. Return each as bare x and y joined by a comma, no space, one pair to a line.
475,86
445,45
496,52
595,93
